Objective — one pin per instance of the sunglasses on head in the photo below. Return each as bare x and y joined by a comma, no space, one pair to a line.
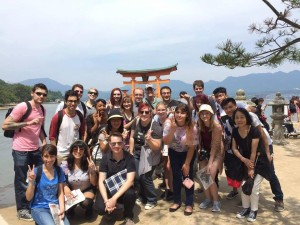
144,112
41,94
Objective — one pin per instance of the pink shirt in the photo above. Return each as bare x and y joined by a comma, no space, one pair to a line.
28,138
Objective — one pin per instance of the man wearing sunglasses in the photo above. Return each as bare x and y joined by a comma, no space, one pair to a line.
81,106
113,162
25,143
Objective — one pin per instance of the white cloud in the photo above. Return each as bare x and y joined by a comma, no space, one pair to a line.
86,41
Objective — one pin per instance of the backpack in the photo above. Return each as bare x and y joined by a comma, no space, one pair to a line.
59,121
11,133
83,107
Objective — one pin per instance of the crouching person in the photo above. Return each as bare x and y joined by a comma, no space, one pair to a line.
117,161
46,186
81,174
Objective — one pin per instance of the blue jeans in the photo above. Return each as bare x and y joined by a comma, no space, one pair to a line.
43,216
21,162
145,185
177,160
274,182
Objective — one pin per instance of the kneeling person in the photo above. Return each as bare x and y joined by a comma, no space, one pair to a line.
113,162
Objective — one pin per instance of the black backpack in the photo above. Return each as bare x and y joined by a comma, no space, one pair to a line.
11,133
59,121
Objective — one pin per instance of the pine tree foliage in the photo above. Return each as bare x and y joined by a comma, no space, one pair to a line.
278,42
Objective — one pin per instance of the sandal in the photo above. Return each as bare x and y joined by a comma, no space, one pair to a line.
174,207
188,210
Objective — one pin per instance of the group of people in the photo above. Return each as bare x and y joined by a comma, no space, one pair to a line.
93,142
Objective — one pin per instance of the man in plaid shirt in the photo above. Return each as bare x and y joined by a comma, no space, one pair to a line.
113,162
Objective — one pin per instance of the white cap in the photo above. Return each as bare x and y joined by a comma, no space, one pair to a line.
207,108
149,86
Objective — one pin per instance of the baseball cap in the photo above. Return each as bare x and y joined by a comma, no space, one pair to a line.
149,86
115,113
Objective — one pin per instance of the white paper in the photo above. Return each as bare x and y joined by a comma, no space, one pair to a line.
78,197
55,214
205,178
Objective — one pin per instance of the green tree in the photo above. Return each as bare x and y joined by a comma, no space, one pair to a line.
278,44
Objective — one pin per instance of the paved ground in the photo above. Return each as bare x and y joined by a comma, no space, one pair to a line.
287,164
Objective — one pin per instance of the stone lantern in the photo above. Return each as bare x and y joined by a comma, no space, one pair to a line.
278,115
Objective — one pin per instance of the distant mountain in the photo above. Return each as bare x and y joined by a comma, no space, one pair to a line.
259,84
51,84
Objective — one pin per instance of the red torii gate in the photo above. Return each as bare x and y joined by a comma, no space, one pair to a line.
145,74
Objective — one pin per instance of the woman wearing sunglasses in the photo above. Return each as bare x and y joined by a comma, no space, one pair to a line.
182,137
146,134
81,174
90,103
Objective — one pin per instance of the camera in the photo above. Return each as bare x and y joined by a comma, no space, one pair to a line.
203,155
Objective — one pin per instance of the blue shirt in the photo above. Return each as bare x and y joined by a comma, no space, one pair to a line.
46,191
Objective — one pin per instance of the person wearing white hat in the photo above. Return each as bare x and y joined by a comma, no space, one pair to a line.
210,154
150,97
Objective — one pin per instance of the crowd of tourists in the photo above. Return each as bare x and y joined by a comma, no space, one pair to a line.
111,150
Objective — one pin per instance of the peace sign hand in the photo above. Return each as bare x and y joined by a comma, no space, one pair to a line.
91,164
30,174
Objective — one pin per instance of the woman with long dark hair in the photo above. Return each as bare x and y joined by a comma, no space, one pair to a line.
181,135
81,174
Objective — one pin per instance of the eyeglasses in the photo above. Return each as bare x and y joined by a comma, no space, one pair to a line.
79,91
41,94
78,149
114,144
93,93
144,112
72,101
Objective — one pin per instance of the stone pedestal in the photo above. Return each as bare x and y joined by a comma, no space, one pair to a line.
278,115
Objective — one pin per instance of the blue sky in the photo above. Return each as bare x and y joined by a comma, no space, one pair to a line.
74,41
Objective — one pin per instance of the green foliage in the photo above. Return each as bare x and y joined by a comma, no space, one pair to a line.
14,93
278,44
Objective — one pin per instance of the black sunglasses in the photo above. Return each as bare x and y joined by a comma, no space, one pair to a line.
144,112
41,94
79,91
93,93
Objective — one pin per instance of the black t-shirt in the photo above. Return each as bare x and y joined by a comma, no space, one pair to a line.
139,135
244,144
172,105
110,166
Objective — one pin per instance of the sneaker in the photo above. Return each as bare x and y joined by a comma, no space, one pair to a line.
149,206
279,206
216,206
138,202
206,203
25,215
242,214
252,216
231,195
128,221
